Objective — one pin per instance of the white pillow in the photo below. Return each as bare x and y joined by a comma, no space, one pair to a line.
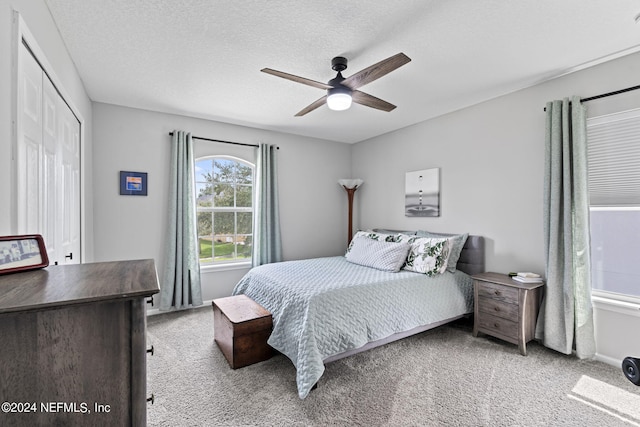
428,255
386,256
374,235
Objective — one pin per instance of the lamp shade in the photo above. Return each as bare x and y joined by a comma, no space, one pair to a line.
351,182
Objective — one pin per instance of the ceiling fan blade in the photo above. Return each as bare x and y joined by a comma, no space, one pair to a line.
371,101
376,71
320,102
298,79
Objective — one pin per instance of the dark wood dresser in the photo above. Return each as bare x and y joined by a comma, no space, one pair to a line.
73,349
505,308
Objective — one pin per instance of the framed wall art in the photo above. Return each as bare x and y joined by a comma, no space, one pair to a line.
20,253
422,193
133,183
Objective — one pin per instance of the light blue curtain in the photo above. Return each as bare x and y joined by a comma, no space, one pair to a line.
267,246
566,315
181,284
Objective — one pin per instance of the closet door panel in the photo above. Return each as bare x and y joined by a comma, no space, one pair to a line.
51,174
29,152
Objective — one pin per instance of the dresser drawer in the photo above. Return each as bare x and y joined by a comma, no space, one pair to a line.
498,308
498,325
498,292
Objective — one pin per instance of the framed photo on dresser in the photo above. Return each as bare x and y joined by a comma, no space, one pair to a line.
21,253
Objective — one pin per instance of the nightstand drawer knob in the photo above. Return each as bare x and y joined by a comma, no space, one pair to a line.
496,292
497,326
496,308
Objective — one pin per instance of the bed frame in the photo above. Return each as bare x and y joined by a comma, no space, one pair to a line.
471,262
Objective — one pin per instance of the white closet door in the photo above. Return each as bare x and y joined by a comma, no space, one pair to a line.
29,144
48,164
51,206
69,146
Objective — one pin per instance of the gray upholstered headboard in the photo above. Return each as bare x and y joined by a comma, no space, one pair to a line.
472,256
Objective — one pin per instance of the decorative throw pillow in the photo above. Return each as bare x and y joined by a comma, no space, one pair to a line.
373,235
428,255
408,238
382,255
457,243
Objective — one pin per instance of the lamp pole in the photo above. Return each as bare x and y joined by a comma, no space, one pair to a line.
350,193
350,187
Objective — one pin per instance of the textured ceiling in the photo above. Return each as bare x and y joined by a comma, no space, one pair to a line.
202,58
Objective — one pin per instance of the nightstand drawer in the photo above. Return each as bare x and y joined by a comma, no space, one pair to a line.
498,308
498,292
498,325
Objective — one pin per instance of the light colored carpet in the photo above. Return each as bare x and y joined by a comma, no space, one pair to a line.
443,377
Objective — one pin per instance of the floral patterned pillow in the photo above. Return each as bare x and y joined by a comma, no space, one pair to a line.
381,237
427,255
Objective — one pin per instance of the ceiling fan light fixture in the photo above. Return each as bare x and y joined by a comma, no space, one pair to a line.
340,91
339,98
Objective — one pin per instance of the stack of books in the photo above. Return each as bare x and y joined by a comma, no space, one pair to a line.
527,278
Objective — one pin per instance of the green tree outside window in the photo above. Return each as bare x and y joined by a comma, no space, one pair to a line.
224,206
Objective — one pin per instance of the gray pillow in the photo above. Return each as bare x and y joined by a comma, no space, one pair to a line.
381,255
457,243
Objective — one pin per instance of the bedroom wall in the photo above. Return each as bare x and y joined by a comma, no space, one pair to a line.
312,205
40,23
491,157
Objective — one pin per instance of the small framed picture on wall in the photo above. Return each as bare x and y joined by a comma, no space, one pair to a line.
133,183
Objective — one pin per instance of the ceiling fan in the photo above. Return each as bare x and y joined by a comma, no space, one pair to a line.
342,91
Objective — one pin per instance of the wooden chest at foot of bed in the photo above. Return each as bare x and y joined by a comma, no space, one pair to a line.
241,328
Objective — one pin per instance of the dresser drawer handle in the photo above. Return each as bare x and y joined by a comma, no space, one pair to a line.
497,326
496,292
496,308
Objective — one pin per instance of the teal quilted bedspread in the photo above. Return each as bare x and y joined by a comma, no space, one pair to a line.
326,306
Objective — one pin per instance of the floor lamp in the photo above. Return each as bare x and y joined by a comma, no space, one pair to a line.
351,185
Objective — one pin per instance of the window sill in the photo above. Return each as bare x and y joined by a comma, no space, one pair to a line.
625,304
214,268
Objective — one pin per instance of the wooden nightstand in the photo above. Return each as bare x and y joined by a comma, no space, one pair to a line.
505,308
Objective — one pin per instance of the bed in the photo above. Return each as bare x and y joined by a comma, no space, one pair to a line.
328,308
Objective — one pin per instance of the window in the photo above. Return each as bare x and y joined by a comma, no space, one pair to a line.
614,192
224,199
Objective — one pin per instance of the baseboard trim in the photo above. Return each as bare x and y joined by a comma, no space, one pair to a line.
155,311
608,360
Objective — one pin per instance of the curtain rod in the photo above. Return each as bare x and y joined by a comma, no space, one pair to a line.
224,142
604,95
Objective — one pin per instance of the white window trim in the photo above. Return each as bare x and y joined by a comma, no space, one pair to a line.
617,303
227,266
